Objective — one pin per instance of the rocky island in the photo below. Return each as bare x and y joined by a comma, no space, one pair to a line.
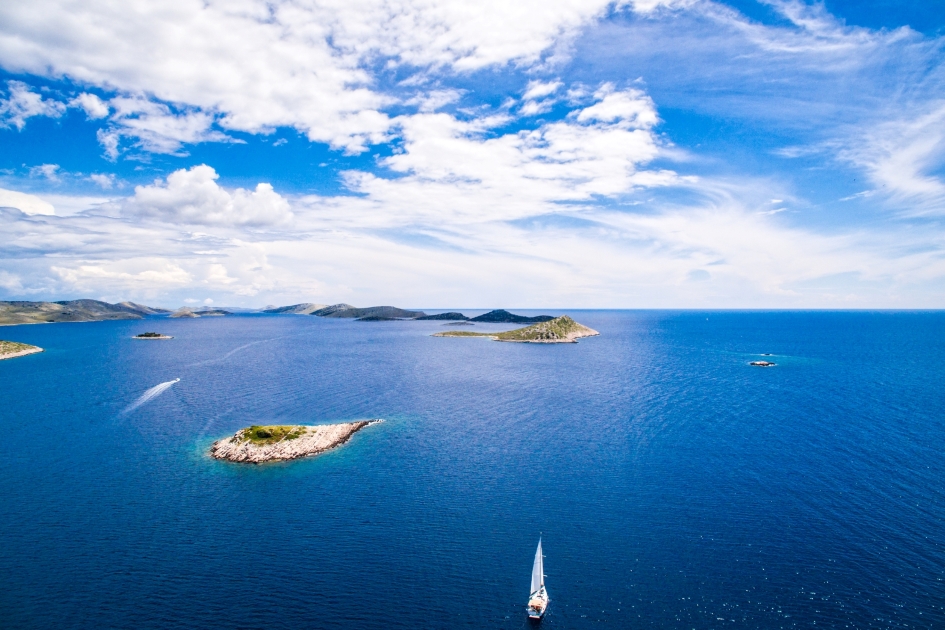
13,349
558,330
258,444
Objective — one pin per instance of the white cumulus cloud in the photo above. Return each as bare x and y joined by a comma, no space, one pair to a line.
194,197
93,106
260,65
460,170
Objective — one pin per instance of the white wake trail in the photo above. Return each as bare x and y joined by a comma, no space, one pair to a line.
155,391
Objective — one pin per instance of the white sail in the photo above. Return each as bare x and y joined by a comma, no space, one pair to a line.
538,570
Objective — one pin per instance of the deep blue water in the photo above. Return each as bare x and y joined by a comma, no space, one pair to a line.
674,485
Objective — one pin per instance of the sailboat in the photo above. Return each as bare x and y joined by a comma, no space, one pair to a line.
538,599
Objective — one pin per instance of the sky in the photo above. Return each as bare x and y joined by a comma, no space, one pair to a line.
434,154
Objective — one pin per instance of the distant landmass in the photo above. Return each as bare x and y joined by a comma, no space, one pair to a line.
12,313
346,310
557,330
504,317
306,308
453,317
185,312
389,313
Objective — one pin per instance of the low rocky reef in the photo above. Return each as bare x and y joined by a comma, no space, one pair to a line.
558,330
13,349
259,444
152,335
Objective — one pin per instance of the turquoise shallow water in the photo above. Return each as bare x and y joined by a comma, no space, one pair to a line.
674,485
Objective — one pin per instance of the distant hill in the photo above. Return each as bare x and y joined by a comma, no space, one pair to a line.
189,313
12,313
556,330
335,310
452,317
504,317
306,308
346,310
142,309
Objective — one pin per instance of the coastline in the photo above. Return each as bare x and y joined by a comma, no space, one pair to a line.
21,353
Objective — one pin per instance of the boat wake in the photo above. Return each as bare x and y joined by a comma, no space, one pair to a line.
231,353
154,392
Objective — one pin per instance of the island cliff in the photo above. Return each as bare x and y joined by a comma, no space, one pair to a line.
258,444
558,330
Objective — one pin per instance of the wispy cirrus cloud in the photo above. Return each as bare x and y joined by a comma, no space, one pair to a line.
23,103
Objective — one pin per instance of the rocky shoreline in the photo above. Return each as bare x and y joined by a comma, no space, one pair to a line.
296,441
13,349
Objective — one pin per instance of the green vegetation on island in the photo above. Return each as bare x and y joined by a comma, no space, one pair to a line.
270,434
558,330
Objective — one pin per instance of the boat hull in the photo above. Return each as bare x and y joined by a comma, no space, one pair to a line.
537,605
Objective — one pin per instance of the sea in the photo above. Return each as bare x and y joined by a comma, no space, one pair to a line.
673,485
